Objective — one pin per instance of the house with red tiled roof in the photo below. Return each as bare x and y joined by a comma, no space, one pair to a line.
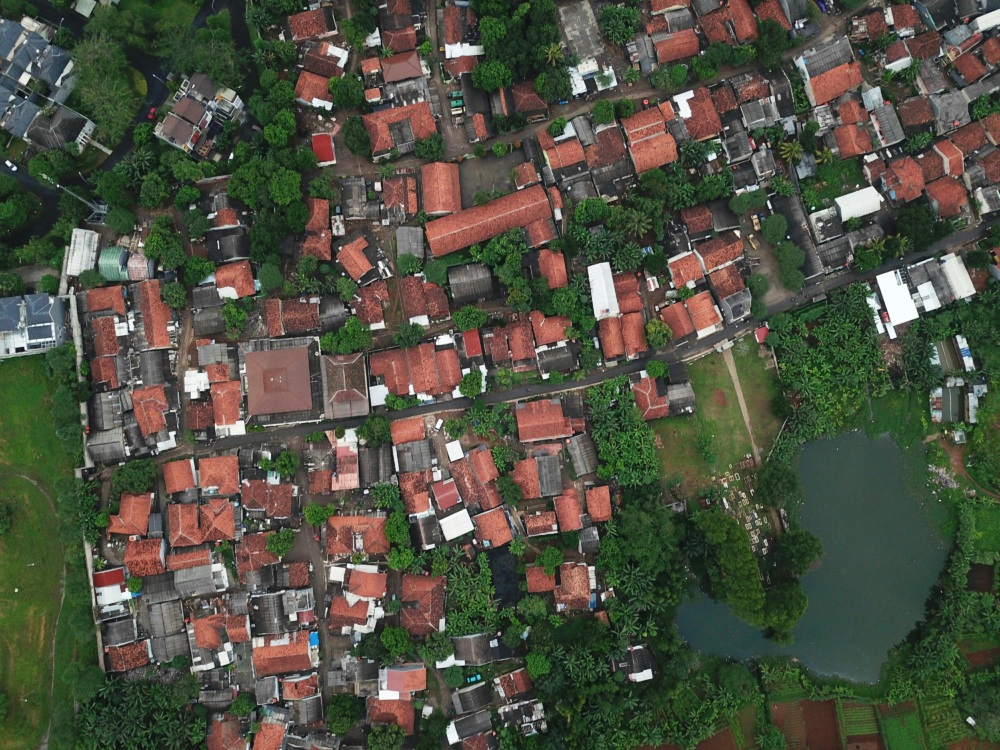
311,24
538,581
650,145
312,90
705,316
573,592
219,475
157,317
678,320
369,304
541,523
599,503
347,616
552,265
698,220
568,510
720,251
151,410
357,255
227,398
685,269
145,557
947,198
969,67
364,584
952,159
609,333
512,345
401,681
423,301
408,430
350,535
905,19
423,600
387,130
283,654
440,189
399,197
549,330
323,149
235,280
852,140
271,500
903,181
478,224
423,370
178,476
542,420
829,70
128,657
677,46
398,712
252,554
400,40
492,528
969,138
132,518
512,685
698,112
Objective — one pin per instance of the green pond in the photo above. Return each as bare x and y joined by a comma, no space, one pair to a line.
881,557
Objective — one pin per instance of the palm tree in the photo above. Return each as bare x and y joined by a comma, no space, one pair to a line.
637,223
791,151
824,156
386,51
385,171
554,54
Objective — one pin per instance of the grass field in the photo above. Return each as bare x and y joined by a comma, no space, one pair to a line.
759,387
987,538
857,718
30,556
901,731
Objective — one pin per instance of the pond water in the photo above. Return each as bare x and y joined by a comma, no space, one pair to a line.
881,557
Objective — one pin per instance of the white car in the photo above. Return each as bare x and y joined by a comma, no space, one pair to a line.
10,165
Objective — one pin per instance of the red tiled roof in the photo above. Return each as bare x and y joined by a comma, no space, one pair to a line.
653,152
311,87
704,120
915,112
378,124
308,24
424,600
226,400
542,420
552,265
452,25
970,67
475,491
990,52
564,154
852,140
599,501
492,529
212,631
319,214
662,6
678,319
346,535
969,138
538,581
677,46
481,223
698,219
726,281
105,370
133,515
400,192
150,406
422,368
182,521
473,343
991,124
634,332
370,300
222,472
751,86
568,510
483,465
525,475
445,493
743,20
715,27
951,157
479,124
685,268
440,190
371,65
526,99
400,40
949,195
219,373
105,338
408,430
608,148
704,313
931,165
144,557
192,558
413,488
252,554
130,656
829,85
875,24
540,232
274,499
224,733
719,251
991,166
178,476
905,178
398,712
281,654
609,331
317,244
351,256
342,614
649,401
541,523
549,330
852,112
513,343
771,10
155,315
873,170
269,737
573,591
724,98
236,276
294,689
106,298
367,585
924,46
905,17
407,679
627,292
423,298
323,149
525,174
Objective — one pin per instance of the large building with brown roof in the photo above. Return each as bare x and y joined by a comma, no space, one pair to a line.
345,385
350,535
281,382
650,145
481,223
440,189
399,128
542,420
422,369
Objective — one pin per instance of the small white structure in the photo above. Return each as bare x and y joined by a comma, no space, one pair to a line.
860,203
456,525
82,253
602,291
895,294
958,276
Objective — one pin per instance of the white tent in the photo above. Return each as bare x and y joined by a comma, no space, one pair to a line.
859,203
602,291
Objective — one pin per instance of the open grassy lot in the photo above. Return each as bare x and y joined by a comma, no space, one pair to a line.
831,181
760,387
717,413
987,538
30,556
901,728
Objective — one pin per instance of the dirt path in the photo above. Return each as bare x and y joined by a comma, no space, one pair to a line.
727,355
956,460
62,597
